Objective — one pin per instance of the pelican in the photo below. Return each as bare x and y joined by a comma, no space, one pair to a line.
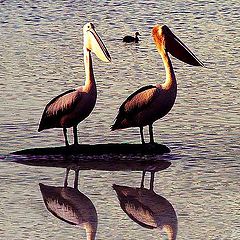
71,206
147,208
70,108
129,39
153,102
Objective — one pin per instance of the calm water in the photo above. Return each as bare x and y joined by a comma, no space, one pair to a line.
41,56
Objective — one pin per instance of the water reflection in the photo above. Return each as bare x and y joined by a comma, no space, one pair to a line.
147,208
104,162
142,205
71,205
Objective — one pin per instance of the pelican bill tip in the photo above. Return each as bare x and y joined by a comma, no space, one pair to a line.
108,60
202,64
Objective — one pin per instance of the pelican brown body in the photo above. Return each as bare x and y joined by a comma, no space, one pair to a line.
153,102
72,107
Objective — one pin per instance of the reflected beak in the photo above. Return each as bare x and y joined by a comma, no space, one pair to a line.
179,50
96,45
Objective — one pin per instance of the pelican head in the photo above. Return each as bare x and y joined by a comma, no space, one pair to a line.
167,41
93,42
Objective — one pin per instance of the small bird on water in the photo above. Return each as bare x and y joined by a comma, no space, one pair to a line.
129,39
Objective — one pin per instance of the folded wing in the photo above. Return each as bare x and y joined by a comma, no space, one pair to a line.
57,108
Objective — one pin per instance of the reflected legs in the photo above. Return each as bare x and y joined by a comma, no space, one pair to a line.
76,179
75,183
66,177
152,180
143,176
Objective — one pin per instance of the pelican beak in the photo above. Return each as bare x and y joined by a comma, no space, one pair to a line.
94,43
178,49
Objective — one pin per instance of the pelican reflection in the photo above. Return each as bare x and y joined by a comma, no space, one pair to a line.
147,208
70,205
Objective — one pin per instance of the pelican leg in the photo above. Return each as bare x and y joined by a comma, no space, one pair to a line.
65,136
76,179
75,135
66,177
142,137
151,133
143,176
152,180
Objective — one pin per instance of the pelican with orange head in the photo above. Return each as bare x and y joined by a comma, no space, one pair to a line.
153,102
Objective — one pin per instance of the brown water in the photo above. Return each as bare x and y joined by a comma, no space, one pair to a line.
41,56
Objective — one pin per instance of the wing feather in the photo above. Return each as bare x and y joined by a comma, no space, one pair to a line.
58,107
139,100
135,103
139,213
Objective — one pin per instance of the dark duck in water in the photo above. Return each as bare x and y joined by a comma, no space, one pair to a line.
129,39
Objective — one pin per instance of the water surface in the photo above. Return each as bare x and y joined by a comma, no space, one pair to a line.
41,56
